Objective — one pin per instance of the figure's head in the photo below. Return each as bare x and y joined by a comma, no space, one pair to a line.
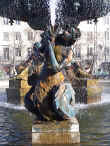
37,45
68,37
36,48
72,34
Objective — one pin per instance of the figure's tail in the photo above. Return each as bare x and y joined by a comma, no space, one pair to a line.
30,105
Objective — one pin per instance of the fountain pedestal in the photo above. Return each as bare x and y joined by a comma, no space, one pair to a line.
16,91
63,132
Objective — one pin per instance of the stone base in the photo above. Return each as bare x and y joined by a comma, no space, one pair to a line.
65,132
91,100
16,96
17,90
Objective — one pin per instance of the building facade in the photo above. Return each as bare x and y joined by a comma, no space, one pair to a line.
94,44
16,41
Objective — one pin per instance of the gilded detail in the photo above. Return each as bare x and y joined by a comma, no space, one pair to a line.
45,86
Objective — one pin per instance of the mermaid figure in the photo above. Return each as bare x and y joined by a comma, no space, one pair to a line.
51,96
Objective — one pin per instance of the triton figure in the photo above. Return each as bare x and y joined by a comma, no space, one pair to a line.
51,96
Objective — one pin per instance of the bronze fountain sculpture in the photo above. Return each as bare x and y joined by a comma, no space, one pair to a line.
51,96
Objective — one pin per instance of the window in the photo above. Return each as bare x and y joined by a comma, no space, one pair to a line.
78,52
18,22
107,35
89,36
17,52
29,51
107,21
5,21
89,51
6,53
30,36
107,50
6,36
100,47
17,36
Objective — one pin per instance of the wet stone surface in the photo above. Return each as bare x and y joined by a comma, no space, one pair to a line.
56,132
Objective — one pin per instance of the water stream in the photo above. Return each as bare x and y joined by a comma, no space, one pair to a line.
53,7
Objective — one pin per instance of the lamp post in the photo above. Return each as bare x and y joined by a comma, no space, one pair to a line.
105,47
95,44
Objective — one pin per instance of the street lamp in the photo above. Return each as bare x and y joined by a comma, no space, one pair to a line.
95,43
105,47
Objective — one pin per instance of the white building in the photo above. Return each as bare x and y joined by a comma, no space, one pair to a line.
95,40
16,41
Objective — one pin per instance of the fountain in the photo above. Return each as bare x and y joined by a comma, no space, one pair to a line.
50,98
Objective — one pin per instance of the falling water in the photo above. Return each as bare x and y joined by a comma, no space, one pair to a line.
105,100
11,106
53,7
3,101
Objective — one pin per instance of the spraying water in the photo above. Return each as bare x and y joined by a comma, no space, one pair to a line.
53,7
12,106
105,99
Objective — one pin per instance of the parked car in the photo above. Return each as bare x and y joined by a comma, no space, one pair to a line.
101,75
